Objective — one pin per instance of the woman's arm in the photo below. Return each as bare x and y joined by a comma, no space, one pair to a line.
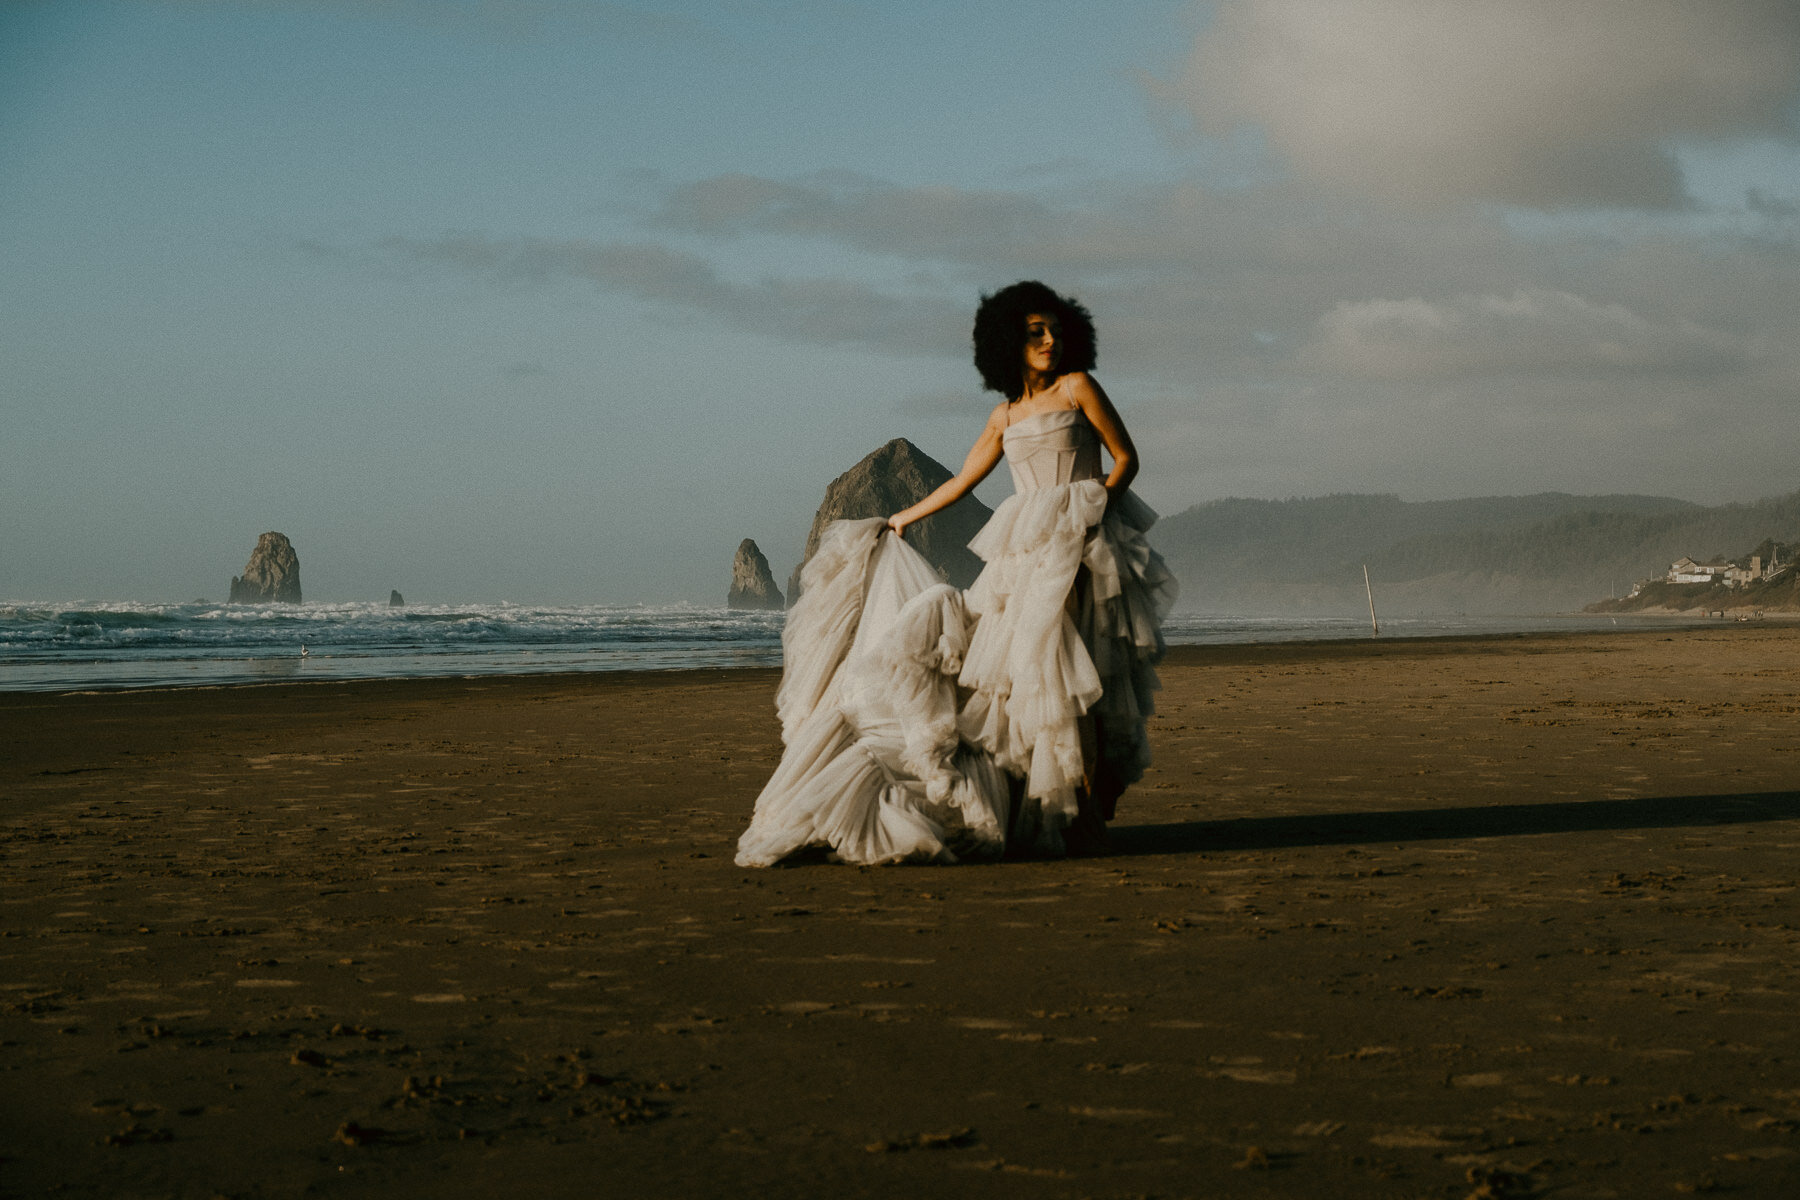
983,458
1107,423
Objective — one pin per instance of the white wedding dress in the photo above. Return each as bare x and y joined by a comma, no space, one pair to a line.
906,705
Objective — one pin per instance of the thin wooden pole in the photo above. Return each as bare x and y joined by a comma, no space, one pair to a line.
1367,587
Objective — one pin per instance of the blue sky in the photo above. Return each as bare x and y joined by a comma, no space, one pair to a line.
551,301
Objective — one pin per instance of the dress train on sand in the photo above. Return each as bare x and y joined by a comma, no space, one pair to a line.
875,766
926,724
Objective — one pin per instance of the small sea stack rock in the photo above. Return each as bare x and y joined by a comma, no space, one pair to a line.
396,600
752,583
273,574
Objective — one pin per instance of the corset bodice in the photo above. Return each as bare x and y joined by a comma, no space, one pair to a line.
1049,448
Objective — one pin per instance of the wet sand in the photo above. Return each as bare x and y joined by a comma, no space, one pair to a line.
1469,918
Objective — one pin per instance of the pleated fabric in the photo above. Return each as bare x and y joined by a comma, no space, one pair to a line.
926,724
875,770
1038,662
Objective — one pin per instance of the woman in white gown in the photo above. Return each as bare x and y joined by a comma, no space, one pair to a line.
922,723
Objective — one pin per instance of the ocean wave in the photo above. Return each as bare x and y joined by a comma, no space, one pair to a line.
28,628
89,643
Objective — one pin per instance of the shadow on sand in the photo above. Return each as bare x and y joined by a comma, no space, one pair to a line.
1435,824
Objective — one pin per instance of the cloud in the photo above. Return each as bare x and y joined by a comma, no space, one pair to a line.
1262,341
1530,331
1191,283
869,214
1541,103
506,19
989,238
820,311
1764,204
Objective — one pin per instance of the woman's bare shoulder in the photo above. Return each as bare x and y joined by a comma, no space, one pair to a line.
1080,383
1086,392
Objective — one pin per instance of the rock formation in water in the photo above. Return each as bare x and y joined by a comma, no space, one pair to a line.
396,600
752,583
273,573
892,478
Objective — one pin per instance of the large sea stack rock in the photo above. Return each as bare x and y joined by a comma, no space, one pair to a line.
898,476
272,575
396,600
752,583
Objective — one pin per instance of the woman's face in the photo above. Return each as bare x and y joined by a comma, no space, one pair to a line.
1043,342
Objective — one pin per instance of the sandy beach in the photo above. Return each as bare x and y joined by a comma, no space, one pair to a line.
1496,917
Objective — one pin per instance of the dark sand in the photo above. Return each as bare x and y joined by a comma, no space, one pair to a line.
1500,917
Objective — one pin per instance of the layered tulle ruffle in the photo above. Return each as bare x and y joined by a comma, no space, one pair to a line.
875,769
905,704
1069,622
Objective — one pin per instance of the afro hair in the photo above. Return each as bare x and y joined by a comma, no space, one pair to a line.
1000,335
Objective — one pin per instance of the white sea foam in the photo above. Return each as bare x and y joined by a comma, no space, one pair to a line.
117,643
89,644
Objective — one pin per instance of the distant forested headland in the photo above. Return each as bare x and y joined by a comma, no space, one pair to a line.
1550,552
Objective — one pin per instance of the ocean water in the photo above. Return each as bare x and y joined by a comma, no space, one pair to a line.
90,645
86,645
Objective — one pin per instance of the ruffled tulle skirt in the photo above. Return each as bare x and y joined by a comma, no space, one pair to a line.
923,723
1069,613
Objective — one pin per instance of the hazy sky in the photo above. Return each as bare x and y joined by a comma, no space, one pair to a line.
554,301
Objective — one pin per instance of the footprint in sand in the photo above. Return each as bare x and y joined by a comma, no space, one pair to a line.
1412,1139
1246,1070
1248,1075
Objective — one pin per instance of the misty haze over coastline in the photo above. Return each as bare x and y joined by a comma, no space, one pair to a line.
1303,557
